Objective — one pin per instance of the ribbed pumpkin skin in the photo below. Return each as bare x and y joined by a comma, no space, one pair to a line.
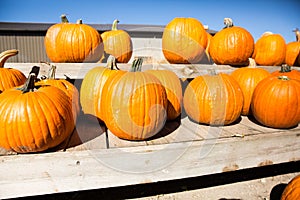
173,88
213,99
78,43
292,74
270,50
91,90
134,105
34,121
184,41
231,46
248,78
292,56
118,43
10,78
275,102
292,190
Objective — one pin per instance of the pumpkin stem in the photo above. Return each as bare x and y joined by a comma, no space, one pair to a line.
79,21
137,65
297,32
228,22
112,63
64,18
6,54
252,63
212,72
285,68
114,25
284,78
29,84
52,70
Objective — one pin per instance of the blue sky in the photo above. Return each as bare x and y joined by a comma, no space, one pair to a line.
257,16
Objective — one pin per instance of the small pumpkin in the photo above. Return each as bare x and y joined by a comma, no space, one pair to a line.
50,39
134,104
286,70
9,77
173,87
214,99
184,41
34,119
281,110
270,50
248,78
292,56
92,86
232,45
117,43
292,190
63,84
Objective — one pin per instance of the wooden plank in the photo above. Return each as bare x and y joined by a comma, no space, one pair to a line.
35,174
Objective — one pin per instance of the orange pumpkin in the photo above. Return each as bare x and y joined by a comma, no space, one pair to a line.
232,45
184,41
9,77
92,86
213,99
172,84
270,50
283,96
117,43
292,190
248,78
34,119
134,104
50,39
78,43
286,70
292,56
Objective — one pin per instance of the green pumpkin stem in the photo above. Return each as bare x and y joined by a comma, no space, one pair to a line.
228,23
112,63
114,25
64,18
285,68
137,65
29,84
7,54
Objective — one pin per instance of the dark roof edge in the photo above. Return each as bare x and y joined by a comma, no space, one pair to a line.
20,26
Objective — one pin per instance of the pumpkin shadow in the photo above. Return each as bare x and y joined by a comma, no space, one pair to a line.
238,120
253,120
277,191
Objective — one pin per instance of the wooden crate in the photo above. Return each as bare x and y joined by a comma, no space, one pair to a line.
94,158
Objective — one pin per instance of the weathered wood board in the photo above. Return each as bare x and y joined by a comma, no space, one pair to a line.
94,158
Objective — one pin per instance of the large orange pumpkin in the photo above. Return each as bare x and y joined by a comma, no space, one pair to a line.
78,43
50,39
286,70
232,45
134,104
248,78
184,40
92,86
9,77
172,84
270,50
213,99
292,56
292,190
283,97
117,43
33,118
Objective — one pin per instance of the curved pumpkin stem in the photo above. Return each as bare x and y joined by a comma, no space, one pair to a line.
114,25
7,54
228,22
112,63
29,84
64,18
137,65
51,72
252,63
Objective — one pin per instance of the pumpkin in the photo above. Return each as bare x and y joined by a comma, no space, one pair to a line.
117,43
232,45
214,99
270,50
248,78
9,77
34,119
78,43
292,56
172,84
65,85
292,190
286,70
283,97
134,104
184,41
50,39
92,85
